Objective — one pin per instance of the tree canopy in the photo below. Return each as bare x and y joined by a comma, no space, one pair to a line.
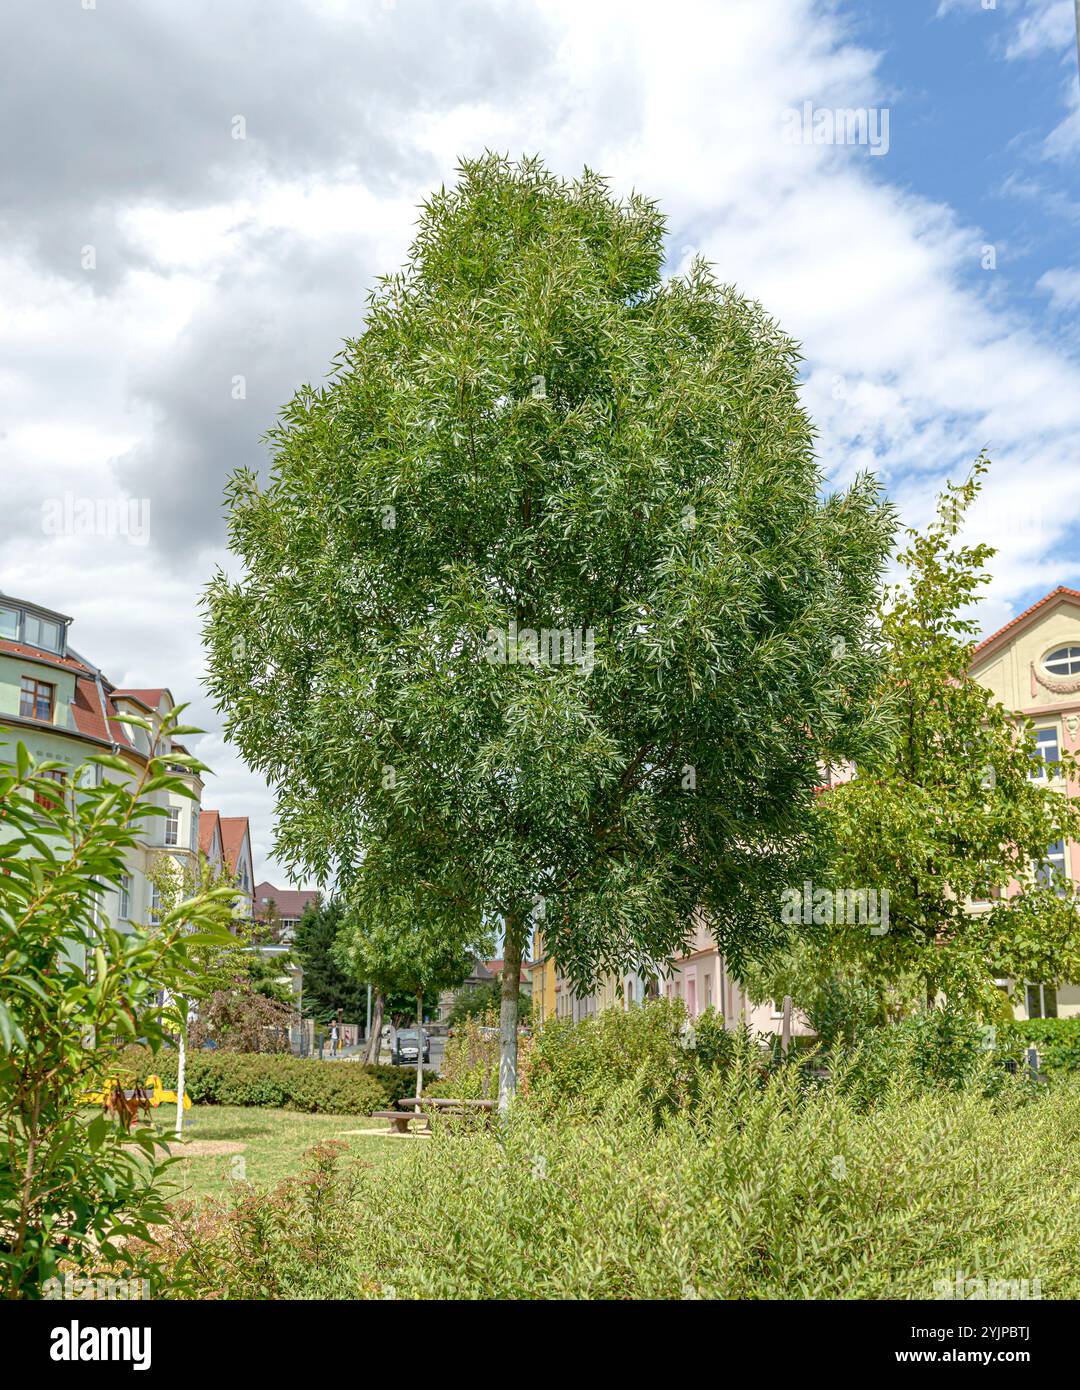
944,811
545,601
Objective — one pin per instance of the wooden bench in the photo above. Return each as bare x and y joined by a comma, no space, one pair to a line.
445,1105
398,1120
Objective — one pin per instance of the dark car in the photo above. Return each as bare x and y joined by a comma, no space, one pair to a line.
404,1049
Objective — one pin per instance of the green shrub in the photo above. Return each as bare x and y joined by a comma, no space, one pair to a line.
289,1242
580,1065
281,1082
762,1189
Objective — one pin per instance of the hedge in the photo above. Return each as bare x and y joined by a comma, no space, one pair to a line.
278,1080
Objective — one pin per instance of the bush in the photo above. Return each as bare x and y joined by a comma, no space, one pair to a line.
760,1190
290,1242
580,1065
283,1082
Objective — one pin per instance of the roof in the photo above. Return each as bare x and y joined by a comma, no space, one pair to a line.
290,902
233,830
208,823
1062,594
64,663
150,698
95,714
495,967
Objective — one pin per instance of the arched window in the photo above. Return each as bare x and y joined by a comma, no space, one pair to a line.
1065,661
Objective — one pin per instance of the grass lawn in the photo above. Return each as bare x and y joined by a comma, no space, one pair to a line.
261,1146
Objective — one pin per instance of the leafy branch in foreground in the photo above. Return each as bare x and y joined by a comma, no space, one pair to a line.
72,989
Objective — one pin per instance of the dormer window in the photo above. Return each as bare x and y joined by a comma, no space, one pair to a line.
34,629
1065,661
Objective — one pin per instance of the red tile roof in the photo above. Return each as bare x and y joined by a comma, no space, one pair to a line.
90,719
208,823
150,698
1058,595
290,902
233,830
65,663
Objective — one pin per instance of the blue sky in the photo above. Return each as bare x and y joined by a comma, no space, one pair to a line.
210,190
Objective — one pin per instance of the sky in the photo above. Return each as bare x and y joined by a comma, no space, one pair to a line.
195,200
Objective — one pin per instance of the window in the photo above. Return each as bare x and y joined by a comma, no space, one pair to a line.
172,826
41,632
194,828
1041,1001
1052,869
9,623
36,699
155,905
46,801
125,897
1046,753
1064,662
707,990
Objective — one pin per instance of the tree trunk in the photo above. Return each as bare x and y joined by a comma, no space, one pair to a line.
375,1041
181,1066
419,1044
508,1010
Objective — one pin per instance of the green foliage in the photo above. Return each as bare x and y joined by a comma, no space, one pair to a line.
286,1243
481,999
1058,1041
943,809
74,1189
762,1191
278,1081
580,1065
327,987
536,432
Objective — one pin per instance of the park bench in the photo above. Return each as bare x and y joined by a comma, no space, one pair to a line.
425,1107
398,1120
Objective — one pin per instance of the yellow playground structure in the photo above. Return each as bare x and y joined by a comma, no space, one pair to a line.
153,1093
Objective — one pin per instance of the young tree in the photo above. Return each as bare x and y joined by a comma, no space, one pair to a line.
73,988
542,601
403,950
944,809
327,987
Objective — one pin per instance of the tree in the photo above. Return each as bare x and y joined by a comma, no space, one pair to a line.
327,987
402,949
542,605
484,999
72,988
944,809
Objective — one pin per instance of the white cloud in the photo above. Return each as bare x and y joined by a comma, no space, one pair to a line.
912,362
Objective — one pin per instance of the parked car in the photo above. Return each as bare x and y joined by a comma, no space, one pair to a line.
403,1052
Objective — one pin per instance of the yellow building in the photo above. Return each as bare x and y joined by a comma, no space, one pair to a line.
1032,666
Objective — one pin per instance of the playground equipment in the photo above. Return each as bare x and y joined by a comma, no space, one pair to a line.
116,1098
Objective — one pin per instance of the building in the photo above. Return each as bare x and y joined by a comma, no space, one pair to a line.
226,843
62,707
284,905
1032,666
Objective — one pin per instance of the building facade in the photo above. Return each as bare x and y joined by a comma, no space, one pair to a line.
61,706
1032,667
